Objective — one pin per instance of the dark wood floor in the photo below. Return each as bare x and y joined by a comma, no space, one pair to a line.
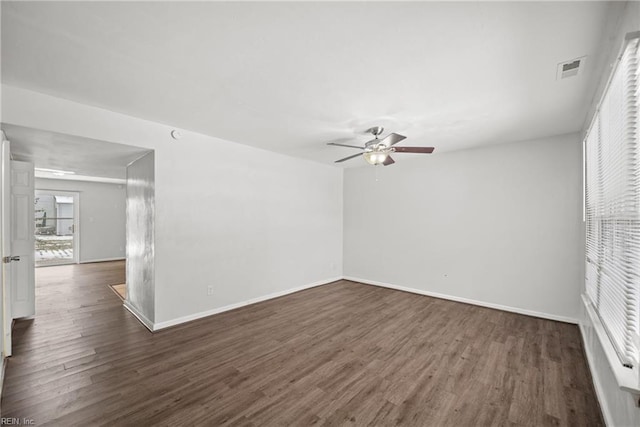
343,353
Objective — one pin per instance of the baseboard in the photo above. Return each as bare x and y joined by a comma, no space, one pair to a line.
141,317
195,316
184,319
88,261
465,300
608,419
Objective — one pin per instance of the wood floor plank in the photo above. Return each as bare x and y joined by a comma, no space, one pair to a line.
339,354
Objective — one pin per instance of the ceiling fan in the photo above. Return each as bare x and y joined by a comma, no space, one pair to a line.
378,151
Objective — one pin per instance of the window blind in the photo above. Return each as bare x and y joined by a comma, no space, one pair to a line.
612,207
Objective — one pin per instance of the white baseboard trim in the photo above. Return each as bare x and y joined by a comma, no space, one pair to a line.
195,316
88,261
141,317
600,394
465,300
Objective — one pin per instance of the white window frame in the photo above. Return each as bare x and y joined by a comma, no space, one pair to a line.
628,379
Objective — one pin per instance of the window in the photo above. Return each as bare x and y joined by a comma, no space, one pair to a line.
612,207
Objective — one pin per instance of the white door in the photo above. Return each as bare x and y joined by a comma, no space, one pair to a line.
5,219
23,298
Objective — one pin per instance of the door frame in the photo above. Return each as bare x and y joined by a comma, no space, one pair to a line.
5,246
76,221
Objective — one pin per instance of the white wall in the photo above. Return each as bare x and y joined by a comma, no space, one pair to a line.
617,406
140,238
500,225
248,222
102,217
245,221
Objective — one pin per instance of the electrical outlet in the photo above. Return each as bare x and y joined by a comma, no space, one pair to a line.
209,290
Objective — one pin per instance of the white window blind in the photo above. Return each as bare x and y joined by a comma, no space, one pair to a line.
612,207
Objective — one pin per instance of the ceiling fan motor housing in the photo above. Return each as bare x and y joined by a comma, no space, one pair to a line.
376,131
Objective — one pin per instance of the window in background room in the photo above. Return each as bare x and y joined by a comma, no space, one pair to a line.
55,228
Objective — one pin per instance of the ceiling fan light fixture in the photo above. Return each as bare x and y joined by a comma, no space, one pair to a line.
377,151
375,157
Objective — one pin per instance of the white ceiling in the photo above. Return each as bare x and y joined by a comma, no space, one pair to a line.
83,156
290,76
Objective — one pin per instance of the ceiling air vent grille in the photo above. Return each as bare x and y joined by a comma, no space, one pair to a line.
570,68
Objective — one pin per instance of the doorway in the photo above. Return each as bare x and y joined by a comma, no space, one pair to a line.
66,163
56,227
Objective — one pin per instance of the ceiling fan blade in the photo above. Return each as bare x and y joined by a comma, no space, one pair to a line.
413,149
347,158
391,139
389,161
345,145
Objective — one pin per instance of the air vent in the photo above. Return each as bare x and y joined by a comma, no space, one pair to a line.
570,68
